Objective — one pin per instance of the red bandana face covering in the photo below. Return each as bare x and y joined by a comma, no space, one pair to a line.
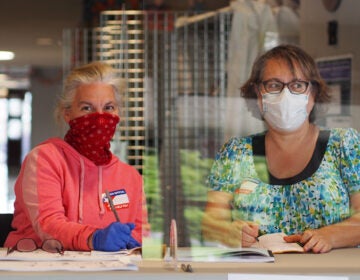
90,135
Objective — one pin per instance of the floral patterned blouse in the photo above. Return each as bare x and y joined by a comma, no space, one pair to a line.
292,205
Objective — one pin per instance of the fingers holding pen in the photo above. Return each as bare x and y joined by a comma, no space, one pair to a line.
114,237
242,233
250,232
233,238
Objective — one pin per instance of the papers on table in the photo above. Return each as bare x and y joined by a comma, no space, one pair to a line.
40,260
66,266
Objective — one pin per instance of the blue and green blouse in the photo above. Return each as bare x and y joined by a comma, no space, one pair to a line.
318,196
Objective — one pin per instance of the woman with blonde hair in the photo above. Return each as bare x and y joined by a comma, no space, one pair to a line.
67,188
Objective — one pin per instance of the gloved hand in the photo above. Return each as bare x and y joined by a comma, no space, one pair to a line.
132,243
114,237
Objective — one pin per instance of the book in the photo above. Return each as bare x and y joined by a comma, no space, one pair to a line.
224,254
262,251
276,244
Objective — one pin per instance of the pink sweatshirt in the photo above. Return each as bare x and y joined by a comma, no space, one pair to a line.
60,194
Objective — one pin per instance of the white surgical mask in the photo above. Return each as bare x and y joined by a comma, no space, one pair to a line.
285,111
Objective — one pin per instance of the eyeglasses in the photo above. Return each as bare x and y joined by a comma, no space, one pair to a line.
29,245
275,86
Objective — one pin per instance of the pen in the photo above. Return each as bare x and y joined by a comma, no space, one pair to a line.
112,206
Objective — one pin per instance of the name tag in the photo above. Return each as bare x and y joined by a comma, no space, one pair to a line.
120,199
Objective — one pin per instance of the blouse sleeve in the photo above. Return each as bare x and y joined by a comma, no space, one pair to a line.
350,160
226,171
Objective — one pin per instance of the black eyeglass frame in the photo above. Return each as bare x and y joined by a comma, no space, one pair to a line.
264,83
56,249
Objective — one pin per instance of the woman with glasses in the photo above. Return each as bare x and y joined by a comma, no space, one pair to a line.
74,193
296,177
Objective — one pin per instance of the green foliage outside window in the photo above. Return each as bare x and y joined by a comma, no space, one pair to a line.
194,171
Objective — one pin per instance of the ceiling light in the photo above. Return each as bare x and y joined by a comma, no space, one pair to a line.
4,55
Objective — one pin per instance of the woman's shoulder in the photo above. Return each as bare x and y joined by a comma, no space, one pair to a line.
52,150
341,134
124,166
49,145
245,140
343,138
237,145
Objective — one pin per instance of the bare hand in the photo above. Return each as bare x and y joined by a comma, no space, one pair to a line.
250,232
242,233
233,238
315,240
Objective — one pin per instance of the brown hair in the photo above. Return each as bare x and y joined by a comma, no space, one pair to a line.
294,57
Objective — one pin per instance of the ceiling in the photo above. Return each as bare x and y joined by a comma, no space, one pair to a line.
32,29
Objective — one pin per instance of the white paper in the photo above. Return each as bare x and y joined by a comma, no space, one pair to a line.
65,266
40,260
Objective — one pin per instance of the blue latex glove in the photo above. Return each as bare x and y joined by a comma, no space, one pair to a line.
132,243
114,237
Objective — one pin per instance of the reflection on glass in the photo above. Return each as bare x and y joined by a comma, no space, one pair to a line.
15,107
3,157
15,125
4,203
14,129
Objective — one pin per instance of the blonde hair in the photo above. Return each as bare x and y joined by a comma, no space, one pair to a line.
87,74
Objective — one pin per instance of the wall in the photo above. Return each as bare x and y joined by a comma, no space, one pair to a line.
314,39
46,85
42,18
